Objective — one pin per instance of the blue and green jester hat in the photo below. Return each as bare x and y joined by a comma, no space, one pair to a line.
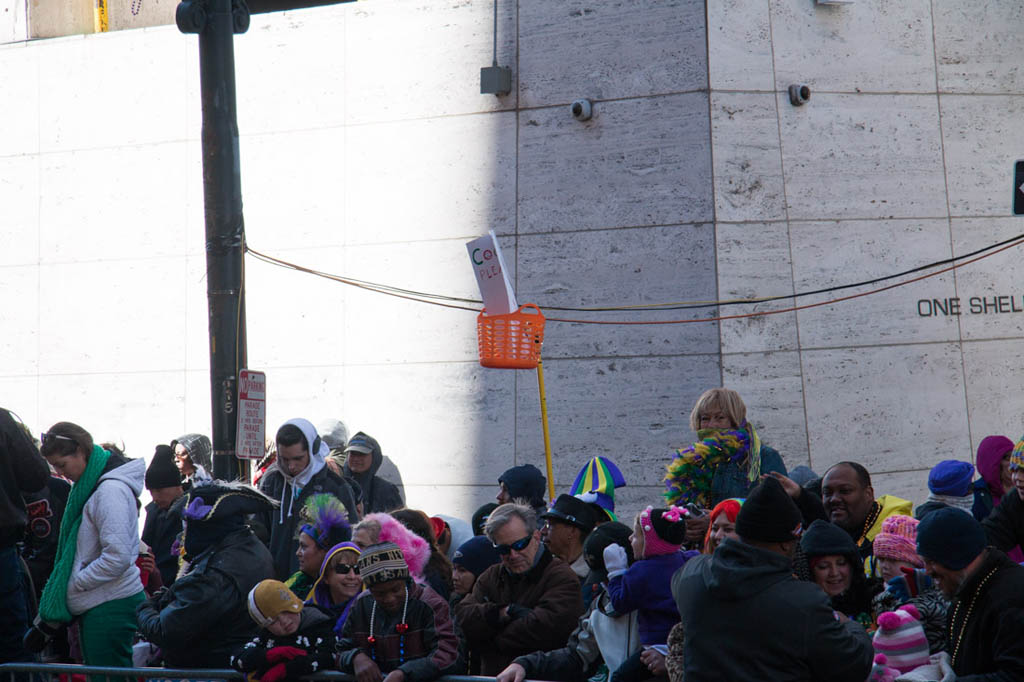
596,483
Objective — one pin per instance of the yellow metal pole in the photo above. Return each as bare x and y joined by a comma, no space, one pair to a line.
99,16
544,423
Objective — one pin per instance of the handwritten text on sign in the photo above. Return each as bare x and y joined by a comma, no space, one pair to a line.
252,414
975,305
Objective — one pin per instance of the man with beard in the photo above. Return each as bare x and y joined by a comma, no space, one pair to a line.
850,504
986,614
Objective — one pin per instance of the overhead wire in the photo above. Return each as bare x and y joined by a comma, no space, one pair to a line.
451,301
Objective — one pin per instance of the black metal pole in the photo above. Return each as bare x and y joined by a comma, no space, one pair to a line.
216,21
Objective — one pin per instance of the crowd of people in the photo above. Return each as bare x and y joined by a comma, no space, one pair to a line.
741,571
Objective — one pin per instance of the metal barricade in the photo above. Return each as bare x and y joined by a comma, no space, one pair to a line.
49,672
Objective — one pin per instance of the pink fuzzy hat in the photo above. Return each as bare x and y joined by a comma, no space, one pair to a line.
898,540
901,638
414,548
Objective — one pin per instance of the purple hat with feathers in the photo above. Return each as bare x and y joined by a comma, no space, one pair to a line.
325,520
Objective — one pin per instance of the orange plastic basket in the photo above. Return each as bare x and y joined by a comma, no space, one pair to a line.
510,341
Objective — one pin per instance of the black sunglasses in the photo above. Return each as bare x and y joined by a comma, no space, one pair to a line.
518,545
344,569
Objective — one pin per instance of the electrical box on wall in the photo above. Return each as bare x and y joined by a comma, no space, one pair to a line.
495,80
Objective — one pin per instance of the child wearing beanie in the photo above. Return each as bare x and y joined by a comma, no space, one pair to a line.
895,550
473,557
902,649
292,641
397,629
645,587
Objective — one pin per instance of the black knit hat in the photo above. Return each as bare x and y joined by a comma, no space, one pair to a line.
573,511
162,472
611,533
827,539
950,537
480,517
525,481
769,515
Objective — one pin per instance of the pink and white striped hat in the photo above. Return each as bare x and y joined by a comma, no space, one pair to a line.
901,638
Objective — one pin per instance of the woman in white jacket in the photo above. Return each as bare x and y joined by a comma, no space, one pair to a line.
95,576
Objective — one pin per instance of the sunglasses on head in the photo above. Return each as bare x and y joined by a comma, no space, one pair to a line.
43,437
518,545
344,569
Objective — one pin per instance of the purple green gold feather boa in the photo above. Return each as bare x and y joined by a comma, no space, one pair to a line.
688,477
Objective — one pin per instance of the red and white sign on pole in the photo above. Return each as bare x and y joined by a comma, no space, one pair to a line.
252,415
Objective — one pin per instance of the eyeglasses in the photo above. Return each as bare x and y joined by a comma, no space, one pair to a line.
43,437
518,545
344,569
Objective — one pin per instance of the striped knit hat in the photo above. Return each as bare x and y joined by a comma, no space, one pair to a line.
901,638
382,563
1017,455
898,540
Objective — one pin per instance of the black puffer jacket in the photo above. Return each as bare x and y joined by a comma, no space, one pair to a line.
203,618
22,470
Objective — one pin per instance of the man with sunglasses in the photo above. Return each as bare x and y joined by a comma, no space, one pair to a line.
22,471
528,602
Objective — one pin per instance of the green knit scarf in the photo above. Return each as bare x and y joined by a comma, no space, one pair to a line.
53,605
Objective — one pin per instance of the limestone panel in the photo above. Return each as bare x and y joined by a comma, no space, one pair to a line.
862,156
137,410
990,292
621,268
747,158
840,253
19,197
19,317
463,433
129,14
569,50
294,318
196,323
290,71
994,372
979,158
460,501
740,45
636,162
14,22
313,392
100,297
771,386
113,89
431,179
197,414
890,408
754,262
292,189
21,396
634,410
422,59
135,190
414,331
19,72
908,485
976,46
195,210
873,46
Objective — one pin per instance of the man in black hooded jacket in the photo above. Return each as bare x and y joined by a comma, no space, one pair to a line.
364,458
203,618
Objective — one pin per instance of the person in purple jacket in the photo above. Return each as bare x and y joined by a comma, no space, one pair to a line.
646,586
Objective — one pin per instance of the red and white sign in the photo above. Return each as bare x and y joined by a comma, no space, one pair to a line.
252,415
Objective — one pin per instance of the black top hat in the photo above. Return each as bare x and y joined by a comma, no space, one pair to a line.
572,510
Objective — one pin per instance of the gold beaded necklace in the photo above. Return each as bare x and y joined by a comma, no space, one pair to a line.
876,509
967,616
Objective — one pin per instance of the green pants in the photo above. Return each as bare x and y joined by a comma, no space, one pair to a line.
108,631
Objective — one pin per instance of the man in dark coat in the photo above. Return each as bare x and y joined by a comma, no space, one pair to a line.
163,518
729,600
363,460
299,472
529,602
986,589
22,470
203,618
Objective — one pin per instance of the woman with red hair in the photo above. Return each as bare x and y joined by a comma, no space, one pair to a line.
722,523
